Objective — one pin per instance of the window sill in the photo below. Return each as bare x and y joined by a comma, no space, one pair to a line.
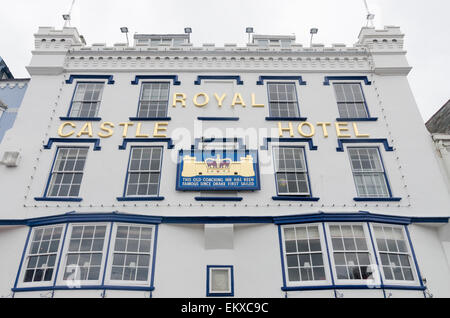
150,119
80,118
295,198
377,199
357,119
286,118
85,287
59,199
125,199
220,294
218,199
218,118
333,287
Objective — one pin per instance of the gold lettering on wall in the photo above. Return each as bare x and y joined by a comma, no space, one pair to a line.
61,129
160,127
109,131
341,127
179,98
125,128
357,134
86,130
312,130
220,99
238,100
138,132
281,130
254,104
324,126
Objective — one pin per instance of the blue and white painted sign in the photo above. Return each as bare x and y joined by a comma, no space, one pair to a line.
224,170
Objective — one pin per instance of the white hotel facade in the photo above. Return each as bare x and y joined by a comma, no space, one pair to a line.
165,169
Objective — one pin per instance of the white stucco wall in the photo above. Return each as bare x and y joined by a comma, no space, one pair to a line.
412,169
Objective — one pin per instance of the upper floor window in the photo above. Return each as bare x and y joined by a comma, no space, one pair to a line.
283,100
154,100
42,254
291,171
86,100
368,172
303,254
67,172
144,171
350,100
394,254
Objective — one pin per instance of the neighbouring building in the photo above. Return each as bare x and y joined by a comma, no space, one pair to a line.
12,92
439,127
166,169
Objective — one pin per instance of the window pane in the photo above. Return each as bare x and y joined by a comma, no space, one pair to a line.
304,259
44,248
350,100
132,248
395,258
351,255
67,172
86,100
144,171
220,280
283,100
81,261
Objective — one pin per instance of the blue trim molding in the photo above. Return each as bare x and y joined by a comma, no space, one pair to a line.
341,143
286,118
237,199
289,78
310,142
347,287
390,199
237,78
346,78
125,142
150,118
109,78
130,199
212,294
218,118
174,78
320,217
95,141
357,119
93,287
80,118
295,198
48,199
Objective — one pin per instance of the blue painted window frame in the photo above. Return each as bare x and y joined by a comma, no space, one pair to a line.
142,198
274,118
214,294
410,251
293,197
374,199
52,285
416,286
137,118
68,117
325,256
60,199
351,80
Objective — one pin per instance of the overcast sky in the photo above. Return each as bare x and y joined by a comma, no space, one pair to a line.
425,23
